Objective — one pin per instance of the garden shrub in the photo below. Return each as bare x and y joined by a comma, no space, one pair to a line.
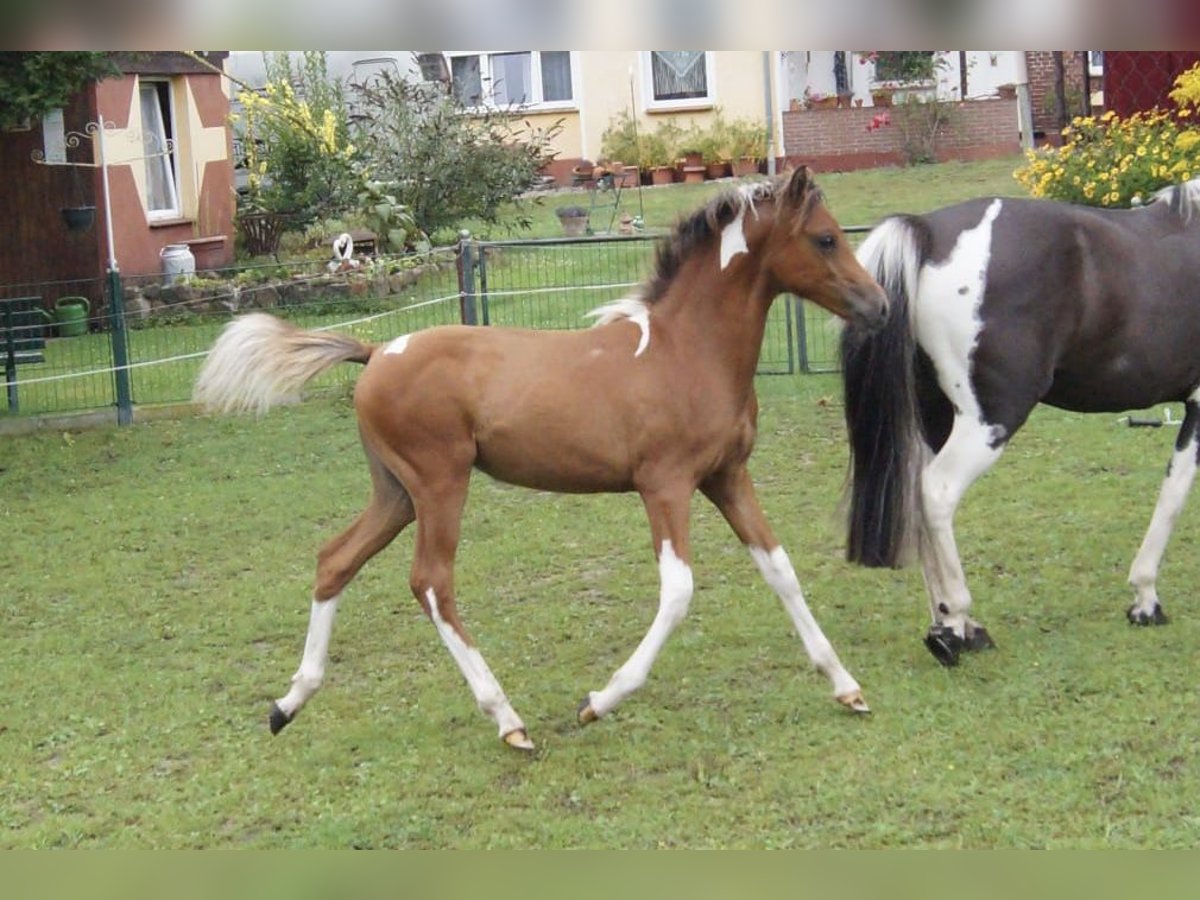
1117,162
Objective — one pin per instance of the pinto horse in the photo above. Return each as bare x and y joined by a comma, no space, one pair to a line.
998,305
657,398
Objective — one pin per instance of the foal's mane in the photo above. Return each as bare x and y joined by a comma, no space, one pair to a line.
694,232
1182,199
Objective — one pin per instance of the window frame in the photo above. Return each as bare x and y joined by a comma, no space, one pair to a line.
169,134
535,104
646,59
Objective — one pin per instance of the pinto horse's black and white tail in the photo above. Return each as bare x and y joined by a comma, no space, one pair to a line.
886,447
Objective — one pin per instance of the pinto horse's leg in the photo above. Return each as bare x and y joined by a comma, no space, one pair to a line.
668,514
970,450
732,492
1181,472
390,510
432,583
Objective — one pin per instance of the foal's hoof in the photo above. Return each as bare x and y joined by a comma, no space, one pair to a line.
519,740
944,644
586,714
1141,617
854,702
278,719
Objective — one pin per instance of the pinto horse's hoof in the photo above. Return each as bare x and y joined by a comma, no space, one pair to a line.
519,740
944,644
586,714
1141,617
278,719
854,702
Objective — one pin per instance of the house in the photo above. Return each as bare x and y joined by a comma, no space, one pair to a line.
166,143
589,90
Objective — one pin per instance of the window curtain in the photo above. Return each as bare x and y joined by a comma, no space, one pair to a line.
512,78
467,80
160,181
679,74
556,75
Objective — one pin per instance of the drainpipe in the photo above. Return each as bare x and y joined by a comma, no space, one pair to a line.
1024,102
769,111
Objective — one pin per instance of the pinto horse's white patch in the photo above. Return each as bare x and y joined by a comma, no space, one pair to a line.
733,238
398,345
946,314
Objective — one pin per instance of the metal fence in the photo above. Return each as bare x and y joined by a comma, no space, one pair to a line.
164,330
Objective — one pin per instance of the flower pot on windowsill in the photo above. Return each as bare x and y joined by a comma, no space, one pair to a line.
78,218
882,97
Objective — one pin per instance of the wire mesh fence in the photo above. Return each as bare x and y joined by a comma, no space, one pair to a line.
168,323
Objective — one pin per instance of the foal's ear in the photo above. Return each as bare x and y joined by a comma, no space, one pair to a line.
798,185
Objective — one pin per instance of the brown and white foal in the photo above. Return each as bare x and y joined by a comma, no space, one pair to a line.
658,398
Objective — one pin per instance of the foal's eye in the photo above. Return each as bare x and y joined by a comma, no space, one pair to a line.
826,242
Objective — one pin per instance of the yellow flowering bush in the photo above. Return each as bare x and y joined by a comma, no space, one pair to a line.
1114,161
298,156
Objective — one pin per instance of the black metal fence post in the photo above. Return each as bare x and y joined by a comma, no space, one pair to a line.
466,279
120,348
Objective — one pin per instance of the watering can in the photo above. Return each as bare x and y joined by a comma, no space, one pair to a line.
71,315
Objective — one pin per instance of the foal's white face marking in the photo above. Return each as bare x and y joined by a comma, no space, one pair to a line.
733,239
946,313
398,345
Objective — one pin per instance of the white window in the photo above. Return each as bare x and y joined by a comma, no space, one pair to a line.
158,146
1095,63
527,78
678,79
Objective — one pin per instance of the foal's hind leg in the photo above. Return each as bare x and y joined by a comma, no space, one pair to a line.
432,583
668,514
1181,472
732,492
390,510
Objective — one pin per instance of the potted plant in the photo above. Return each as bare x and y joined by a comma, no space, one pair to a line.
818,100
78,218
658,152
574,220
746,143
713,142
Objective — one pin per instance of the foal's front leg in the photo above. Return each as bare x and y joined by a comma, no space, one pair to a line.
668,514
732,492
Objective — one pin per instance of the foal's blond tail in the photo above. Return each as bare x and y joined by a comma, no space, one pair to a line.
260,361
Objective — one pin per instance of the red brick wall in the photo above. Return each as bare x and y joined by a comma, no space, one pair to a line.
843,139
1042,95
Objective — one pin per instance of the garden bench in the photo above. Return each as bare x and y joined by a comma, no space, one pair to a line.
22,338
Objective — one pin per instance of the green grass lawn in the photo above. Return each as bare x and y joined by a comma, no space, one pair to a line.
156,598
856,198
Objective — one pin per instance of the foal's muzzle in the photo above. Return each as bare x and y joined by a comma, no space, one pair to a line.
868,306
